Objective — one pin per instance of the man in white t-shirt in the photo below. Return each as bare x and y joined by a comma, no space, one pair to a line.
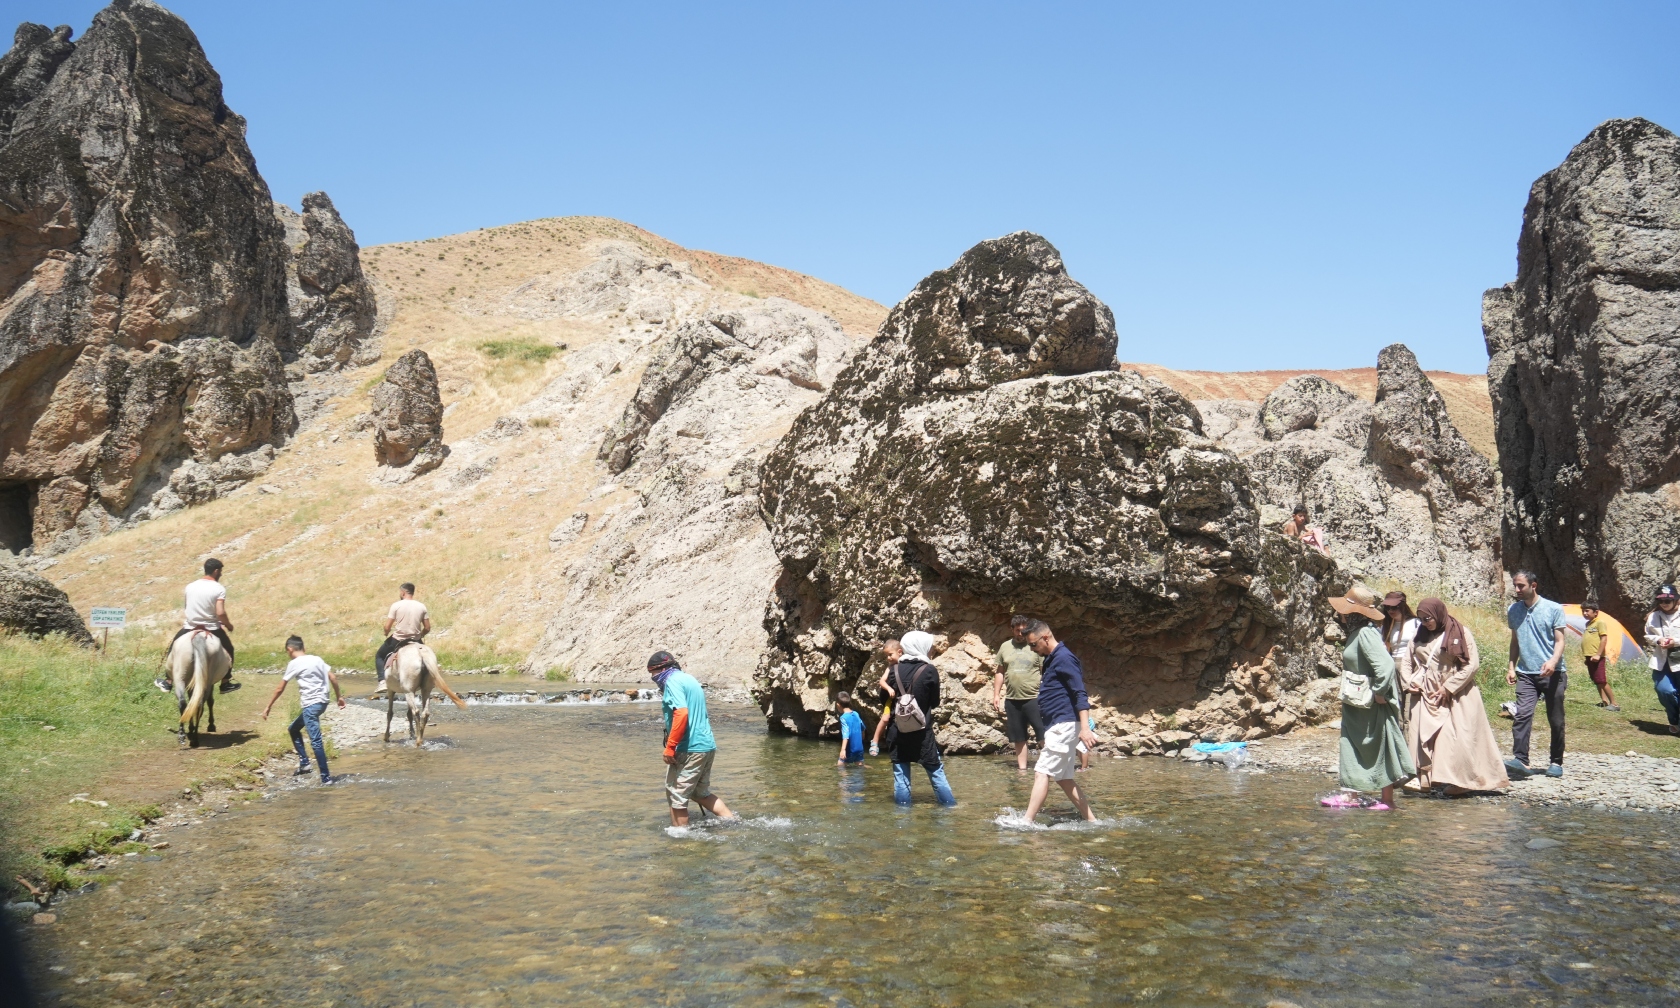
313,678
206,609
407,622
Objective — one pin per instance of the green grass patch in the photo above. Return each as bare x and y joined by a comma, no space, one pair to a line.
559,673
518,350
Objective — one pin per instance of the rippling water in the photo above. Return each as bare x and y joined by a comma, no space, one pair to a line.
527,862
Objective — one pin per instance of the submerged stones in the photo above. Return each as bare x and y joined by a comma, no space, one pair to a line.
984,456
1583,364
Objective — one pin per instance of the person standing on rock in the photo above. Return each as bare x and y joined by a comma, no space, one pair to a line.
1595,645
1535,667
916,678
206,609
1662,636
1063,703
1372,754
1015,689
408,622
689,746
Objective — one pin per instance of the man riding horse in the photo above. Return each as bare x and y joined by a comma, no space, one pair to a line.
408,622
206,609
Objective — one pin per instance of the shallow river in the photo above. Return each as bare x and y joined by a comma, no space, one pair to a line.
526,861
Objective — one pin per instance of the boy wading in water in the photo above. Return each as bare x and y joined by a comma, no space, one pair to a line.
313,677
851,731
689,747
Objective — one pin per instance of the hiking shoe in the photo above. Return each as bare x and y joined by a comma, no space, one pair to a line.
329,779
302,770
1555,770
1516,769
1611,707
163,685
1508,710
229,687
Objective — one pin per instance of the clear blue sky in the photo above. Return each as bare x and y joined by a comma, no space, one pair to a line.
1247,185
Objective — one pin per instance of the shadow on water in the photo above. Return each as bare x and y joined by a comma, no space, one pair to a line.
529,863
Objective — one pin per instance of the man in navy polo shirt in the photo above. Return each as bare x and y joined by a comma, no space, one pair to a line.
1064,706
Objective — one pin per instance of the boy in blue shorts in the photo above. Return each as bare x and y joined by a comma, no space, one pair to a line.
851,731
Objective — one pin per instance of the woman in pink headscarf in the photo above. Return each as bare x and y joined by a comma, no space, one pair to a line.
1451,741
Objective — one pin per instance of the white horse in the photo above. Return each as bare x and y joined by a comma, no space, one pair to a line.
413,670
196,661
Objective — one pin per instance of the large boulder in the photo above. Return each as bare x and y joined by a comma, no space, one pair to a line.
332,306
32,605
983,456
1395,486
142,274
408,420
1584,363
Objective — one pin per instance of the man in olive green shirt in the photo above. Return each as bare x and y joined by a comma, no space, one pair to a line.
1015,689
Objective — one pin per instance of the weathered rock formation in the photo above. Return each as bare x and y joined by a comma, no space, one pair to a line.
30,604
408,420
982,456
332,306
1396,487
144,324
1584,364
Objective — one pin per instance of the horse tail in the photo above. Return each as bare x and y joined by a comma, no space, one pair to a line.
200,676
428,658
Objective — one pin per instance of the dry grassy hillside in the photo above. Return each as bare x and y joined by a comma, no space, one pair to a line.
1466,395
314,548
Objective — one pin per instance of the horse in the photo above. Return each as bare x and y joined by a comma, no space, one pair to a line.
413,670
199,659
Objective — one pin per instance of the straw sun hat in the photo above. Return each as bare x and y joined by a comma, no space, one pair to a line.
1359,599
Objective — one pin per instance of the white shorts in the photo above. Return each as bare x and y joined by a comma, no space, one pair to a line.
1058,759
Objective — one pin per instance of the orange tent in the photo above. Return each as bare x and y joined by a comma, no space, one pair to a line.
1620,645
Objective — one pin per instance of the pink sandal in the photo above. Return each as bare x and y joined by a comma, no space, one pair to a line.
1340,800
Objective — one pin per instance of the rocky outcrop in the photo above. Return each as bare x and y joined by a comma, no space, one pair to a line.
1397,489
142,280
332,306
982,457
408,420
680,559
32,605
1583,363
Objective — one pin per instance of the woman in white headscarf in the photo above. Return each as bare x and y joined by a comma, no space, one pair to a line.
915,677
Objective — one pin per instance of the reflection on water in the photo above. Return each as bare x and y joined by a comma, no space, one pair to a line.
529,864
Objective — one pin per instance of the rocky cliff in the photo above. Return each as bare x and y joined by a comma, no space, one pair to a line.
982,456
331,305
1399,491
1584,361
144,318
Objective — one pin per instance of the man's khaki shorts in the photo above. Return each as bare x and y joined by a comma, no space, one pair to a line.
689,779
1059,759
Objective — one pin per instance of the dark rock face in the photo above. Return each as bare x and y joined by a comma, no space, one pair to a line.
408,419
142,273
332,306
30,604
982,457
1399,491
1584,364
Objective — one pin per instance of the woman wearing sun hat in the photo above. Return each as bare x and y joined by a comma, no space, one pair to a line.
1373,750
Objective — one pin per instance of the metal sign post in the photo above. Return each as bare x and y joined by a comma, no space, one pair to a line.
104,618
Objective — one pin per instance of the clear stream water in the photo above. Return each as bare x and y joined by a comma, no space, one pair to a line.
525,861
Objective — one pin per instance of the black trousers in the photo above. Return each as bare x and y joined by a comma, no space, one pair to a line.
386,650
1530,691
221,635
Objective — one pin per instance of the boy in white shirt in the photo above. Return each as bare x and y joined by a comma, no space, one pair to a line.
313,677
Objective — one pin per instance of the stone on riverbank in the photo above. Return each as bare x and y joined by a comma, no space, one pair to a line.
984,456
32,605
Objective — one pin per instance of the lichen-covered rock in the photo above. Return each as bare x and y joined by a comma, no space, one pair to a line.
30,604
142,272
1397,489
981,457
332,306
1584,364
408,420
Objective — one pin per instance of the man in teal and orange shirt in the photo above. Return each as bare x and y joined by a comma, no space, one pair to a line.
689,747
